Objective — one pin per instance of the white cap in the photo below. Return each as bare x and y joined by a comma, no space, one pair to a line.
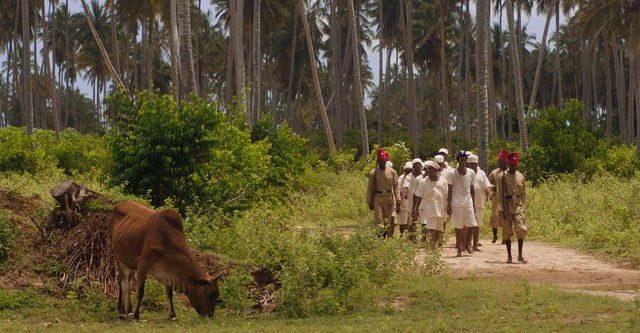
472,159
443,150
408,165
439,158
416,160
389,164
432,164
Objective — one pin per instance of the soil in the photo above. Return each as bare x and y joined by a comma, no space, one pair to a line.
546,264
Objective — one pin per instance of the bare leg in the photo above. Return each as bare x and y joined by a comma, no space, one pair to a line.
468,237
495,234
476,234
520,257
459,241
392,227
508,243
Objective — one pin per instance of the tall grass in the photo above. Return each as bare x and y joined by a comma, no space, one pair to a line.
602,215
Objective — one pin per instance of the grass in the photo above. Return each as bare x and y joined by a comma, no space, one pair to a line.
559,212
415,304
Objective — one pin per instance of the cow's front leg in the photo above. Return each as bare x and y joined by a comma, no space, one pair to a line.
172,312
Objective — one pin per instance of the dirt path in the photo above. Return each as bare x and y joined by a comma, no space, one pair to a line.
546,264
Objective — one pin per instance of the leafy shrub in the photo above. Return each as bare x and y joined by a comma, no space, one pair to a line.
190,152
321,270
16,154
75,153
5,234
560,142
12,300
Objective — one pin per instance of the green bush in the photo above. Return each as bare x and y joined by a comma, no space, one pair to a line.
16,154
6,234
74,154
12,300
191,153
560,143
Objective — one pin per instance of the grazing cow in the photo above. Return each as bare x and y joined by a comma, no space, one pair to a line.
149,242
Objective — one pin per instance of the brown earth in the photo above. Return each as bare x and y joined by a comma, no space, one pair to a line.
547,264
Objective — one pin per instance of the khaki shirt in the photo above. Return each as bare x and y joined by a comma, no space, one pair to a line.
511,195
383,182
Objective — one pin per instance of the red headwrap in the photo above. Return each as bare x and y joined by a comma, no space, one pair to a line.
382,155
513,159
503,156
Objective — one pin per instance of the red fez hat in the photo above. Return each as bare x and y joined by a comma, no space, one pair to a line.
382,155
503,156
513,159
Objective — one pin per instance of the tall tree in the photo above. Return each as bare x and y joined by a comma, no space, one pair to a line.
26,68
316,80
103,50
517,77
355,45
257,65
482,36
186,46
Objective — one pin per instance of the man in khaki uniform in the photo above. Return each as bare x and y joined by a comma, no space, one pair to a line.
495,220
511,204
383,195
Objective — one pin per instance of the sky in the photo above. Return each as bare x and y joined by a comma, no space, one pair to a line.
535,26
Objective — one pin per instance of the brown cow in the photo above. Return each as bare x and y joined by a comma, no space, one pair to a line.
149,242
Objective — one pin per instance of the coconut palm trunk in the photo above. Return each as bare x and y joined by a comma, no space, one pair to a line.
482,27
103,51
186,47
49,74
517,76
355,45
26,69
257,65
541,55
174,49
316,80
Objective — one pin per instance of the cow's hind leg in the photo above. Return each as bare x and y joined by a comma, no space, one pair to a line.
125,282
141,277
172,312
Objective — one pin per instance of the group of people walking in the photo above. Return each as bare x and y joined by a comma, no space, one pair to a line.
431,192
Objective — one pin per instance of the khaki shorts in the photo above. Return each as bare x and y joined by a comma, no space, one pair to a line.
463,216
514,222
404,217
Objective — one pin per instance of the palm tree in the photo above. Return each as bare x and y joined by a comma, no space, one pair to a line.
517,76
115,75
482,36
316,80
26,68
186,46
355,44
541,55
50,75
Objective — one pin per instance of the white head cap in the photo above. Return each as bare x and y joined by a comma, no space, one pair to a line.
389,164
443,151
439,158
432,164
472,159
408,166
416,160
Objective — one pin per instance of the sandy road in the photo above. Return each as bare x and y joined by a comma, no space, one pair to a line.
546,264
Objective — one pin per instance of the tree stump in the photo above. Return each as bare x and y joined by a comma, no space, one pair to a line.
70,196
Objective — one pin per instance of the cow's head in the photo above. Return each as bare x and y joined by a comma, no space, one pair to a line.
203,296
